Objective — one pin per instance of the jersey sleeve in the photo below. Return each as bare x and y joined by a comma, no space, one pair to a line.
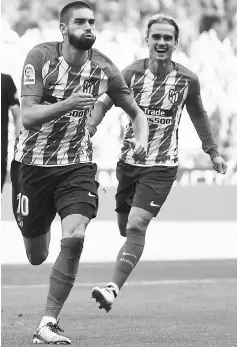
199,118
118,89
32,81
12,92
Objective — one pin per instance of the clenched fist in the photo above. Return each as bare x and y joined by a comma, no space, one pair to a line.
219,164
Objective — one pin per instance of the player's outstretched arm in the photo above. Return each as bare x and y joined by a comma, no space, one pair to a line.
203,127
202,124
34,113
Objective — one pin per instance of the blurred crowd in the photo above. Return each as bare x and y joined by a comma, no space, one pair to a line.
208,46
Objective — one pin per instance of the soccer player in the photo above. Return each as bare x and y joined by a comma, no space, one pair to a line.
161,87
52,171
9,101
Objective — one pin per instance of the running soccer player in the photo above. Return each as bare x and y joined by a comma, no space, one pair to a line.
161,88
52,171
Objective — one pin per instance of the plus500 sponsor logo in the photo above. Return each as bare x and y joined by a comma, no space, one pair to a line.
159,120
158,116
76,113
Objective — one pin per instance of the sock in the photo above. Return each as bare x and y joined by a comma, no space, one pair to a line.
128,257
63,275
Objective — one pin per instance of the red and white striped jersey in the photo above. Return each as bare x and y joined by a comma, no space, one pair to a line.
46,74
163,100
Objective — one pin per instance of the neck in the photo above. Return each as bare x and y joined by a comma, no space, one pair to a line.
160,68
73,56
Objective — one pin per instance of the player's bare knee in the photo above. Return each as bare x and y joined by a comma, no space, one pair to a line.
137,224
76,231
74,226
37,258
136,230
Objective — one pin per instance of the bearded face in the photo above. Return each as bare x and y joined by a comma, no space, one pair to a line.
84,42
79,28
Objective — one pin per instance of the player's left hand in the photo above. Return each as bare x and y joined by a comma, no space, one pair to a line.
219,164
138,149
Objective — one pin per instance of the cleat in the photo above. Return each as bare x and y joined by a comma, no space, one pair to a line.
50,334
105,296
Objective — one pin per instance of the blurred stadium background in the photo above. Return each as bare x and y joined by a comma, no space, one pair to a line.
208,46
186,284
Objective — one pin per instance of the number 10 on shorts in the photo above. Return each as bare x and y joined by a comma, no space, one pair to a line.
23,204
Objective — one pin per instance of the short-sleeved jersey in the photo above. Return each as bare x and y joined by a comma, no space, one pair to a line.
162,101
65,140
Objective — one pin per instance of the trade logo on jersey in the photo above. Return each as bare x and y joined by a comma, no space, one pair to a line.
173,96
158,115
29,74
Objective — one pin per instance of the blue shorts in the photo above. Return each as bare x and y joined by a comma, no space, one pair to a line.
144,187
38,193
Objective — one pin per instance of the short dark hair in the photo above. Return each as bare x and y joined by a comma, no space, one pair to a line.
66,10
161,18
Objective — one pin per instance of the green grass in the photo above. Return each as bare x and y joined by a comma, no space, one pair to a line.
162,314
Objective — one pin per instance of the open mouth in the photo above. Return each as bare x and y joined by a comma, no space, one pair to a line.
88,36
161,50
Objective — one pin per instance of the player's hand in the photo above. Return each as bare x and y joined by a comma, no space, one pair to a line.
138,149
219,164
80,100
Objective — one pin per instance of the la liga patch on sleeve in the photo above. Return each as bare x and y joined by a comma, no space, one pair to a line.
29,74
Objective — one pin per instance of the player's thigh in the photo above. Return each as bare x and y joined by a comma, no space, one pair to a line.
37,248
76,199
122,220
153,188
127,176
32,199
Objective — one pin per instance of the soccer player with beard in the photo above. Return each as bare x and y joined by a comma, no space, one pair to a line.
52,171
161,88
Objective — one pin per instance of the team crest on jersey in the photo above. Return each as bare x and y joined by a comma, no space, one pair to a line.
29,74
173,96
88,85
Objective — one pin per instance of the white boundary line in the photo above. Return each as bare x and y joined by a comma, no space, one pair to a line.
133,283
